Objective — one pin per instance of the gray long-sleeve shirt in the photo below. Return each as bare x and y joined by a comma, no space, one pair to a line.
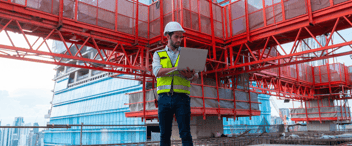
156,59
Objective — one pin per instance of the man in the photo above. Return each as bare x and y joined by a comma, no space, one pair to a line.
173,88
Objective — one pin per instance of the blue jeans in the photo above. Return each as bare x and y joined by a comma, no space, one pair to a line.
178,104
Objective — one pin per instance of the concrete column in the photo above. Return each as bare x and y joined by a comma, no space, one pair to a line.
76,76
90,74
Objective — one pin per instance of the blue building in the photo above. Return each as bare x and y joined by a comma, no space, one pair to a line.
241,124
7,136
35,130
92,98
0,134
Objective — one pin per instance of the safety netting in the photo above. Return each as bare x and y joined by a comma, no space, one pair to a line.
332,73
305,72
197,16
154,20
289,71
229,20
240,100
323,112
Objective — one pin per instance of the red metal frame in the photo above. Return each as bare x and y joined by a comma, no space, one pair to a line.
133,53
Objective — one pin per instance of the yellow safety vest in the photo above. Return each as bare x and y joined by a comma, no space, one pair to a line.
180,83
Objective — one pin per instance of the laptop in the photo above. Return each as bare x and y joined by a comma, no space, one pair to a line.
192,58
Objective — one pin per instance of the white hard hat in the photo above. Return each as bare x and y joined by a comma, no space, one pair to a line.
172,27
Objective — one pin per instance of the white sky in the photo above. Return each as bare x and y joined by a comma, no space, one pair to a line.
25,87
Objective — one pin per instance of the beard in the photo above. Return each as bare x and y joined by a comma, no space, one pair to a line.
175,45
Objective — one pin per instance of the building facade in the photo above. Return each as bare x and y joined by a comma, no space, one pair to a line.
88,97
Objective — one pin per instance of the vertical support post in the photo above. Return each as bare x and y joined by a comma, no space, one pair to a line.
142,57
76,9
319,110
264,13
345,100
52,6
199,23
231,56
173,9
346,75
222,22
329,77
116,13
313,74
217,93
161,21
146,58
226,57
340,70
310,15
149,22
212,28
144,96
250,104
81,133
202,79
230,19
341,109
306,111
225,29
181,12
247,19
234,86
97,13
184,42
306,68
319,74
297,71
61,11
176,14
331,3
278,80
137,13
283,10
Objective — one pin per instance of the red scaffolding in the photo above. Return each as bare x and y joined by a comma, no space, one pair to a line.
244,36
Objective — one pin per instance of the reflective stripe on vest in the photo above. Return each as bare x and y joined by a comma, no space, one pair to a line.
180,83
175,87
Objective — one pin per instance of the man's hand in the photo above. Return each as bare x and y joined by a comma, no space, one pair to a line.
164,71
187,73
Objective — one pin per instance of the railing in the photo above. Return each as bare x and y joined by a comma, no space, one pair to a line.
321,113
143,20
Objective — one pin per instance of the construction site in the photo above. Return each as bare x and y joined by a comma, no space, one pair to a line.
258,51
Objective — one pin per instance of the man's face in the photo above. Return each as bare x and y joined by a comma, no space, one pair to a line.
176,39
